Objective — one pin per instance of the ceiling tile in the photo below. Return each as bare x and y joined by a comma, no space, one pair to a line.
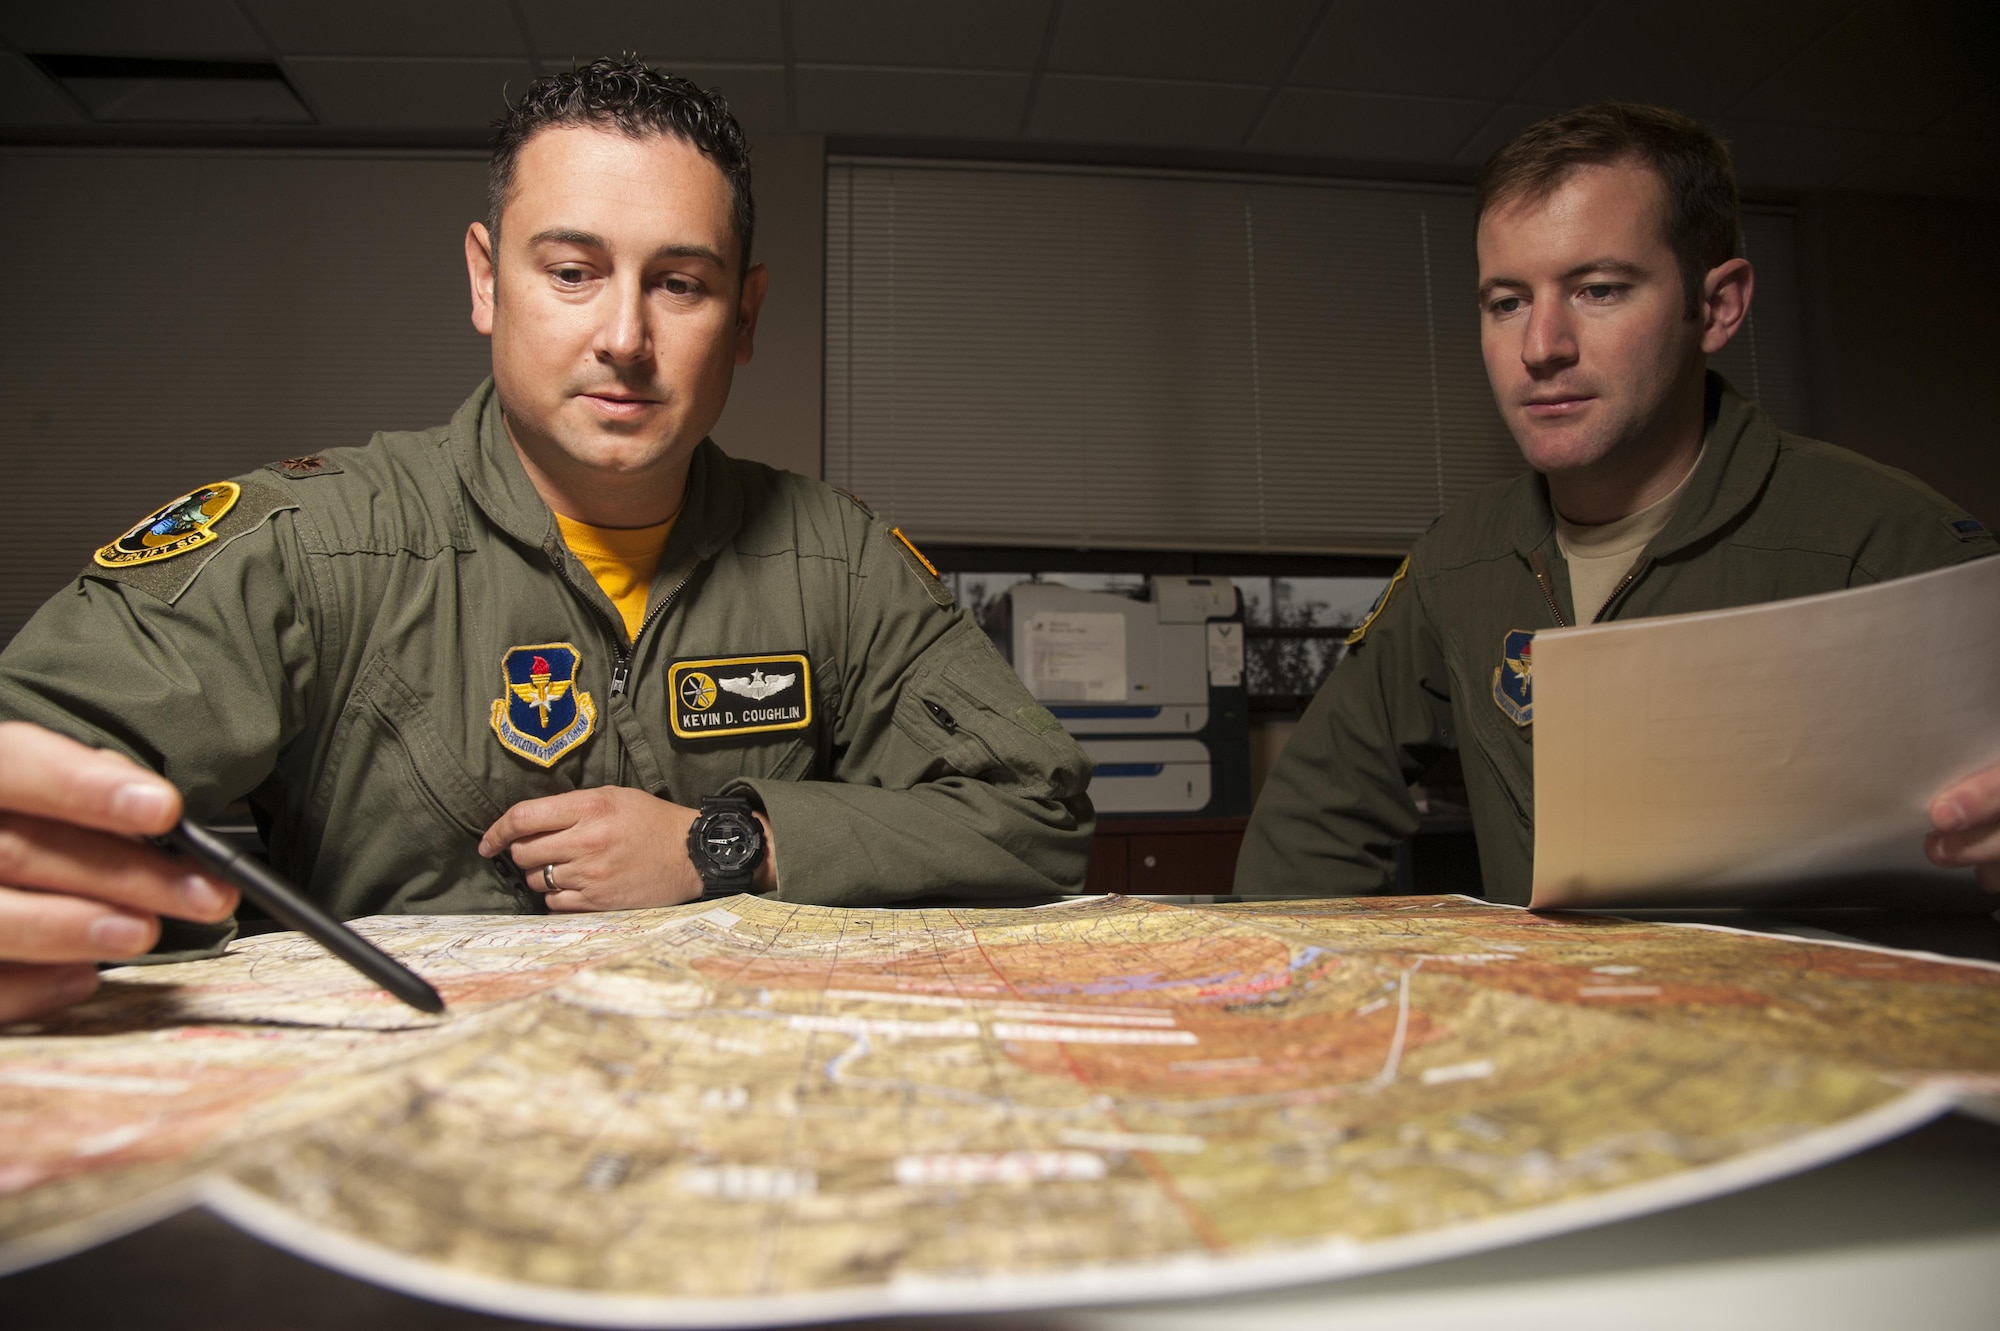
1891,66
28,98
1368,126
389,27
1149,111
1798,157
911,103
1926,164
1245,42
1443,48
409,94
947,34
130,27
1697,56
1499,130
663,31
755,93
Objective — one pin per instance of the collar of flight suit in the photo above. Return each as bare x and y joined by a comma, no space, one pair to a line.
492,474
1739,449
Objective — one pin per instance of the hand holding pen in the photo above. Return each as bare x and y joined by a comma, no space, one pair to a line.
77,884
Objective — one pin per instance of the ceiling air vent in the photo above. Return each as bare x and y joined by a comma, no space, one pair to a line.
122,90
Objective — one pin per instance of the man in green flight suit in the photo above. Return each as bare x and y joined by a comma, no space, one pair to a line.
1607,240
497,665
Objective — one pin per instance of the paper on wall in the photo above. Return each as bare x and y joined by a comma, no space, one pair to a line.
1225,654
1076,656
1693,756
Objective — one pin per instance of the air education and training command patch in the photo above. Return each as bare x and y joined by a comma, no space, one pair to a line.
186,524
1513,678
543,714
740,695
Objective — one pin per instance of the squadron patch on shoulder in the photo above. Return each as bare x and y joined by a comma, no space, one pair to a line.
1513,678
188,523
1381,604
740,695
542,714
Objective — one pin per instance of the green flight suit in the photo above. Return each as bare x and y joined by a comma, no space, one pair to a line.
336,652
1765,516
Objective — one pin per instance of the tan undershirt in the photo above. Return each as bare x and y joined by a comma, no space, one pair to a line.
622,559
1598,556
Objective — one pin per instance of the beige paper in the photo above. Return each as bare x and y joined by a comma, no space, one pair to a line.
1697,757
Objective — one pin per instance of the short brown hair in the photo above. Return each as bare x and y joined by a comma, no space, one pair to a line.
1692,164
631,97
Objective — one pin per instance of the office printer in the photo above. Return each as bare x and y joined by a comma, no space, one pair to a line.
1151,687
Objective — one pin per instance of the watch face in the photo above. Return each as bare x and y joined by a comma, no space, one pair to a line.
730,840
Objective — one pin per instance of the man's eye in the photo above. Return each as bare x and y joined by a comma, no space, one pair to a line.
678,286
1506,305
1601,291
571,277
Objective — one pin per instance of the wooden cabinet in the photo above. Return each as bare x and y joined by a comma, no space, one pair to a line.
1166,856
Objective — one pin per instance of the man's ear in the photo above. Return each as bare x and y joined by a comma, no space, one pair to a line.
748,305
479,262
1725,303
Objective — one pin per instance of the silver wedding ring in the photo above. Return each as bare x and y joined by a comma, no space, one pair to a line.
549,877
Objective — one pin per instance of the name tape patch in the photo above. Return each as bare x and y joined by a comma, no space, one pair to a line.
740,695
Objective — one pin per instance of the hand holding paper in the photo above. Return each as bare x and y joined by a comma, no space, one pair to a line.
1967,819
1692,757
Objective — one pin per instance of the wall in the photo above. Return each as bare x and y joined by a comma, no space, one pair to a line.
1902,299
774,407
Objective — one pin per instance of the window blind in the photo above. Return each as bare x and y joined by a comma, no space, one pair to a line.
1058,357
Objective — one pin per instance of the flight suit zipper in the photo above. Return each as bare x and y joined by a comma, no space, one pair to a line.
621,665
621,656
1540,564
1631,576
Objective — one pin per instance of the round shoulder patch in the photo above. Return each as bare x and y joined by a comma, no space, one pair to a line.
188,523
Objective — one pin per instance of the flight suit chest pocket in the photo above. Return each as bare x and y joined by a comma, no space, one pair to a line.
749,714
386,736
1487,695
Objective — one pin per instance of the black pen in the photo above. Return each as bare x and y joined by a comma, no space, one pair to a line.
293,909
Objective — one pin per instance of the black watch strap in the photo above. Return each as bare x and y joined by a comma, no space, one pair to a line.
726,844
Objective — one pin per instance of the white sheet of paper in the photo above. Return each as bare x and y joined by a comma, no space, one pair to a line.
1077,656
1225,654
1679,758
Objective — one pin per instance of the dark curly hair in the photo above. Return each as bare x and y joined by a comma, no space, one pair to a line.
1693,165
630,96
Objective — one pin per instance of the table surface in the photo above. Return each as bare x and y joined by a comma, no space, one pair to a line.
1906,1234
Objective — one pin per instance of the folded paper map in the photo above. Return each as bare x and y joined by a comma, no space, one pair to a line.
751,1112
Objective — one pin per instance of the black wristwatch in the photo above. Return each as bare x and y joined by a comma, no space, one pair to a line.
726,844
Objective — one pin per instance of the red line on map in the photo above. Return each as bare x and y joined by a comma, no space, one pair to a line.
1203,1227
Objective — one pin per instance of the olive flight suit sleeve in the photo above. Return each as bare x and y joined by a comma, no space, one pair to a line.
948,778
200,673
196,667
1337,803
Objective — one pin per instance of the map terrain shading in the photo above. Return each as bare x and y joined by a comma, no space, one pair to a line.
752,1112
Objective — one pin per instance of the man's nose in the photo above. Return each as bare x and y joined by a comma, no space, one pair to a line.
624,335
1549,342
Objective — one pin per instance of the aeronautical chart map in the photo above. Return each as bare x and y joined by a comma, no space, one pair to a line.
752,1112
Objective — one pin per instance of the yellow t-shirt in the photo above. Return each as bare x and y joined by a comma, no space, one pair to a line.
622,559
